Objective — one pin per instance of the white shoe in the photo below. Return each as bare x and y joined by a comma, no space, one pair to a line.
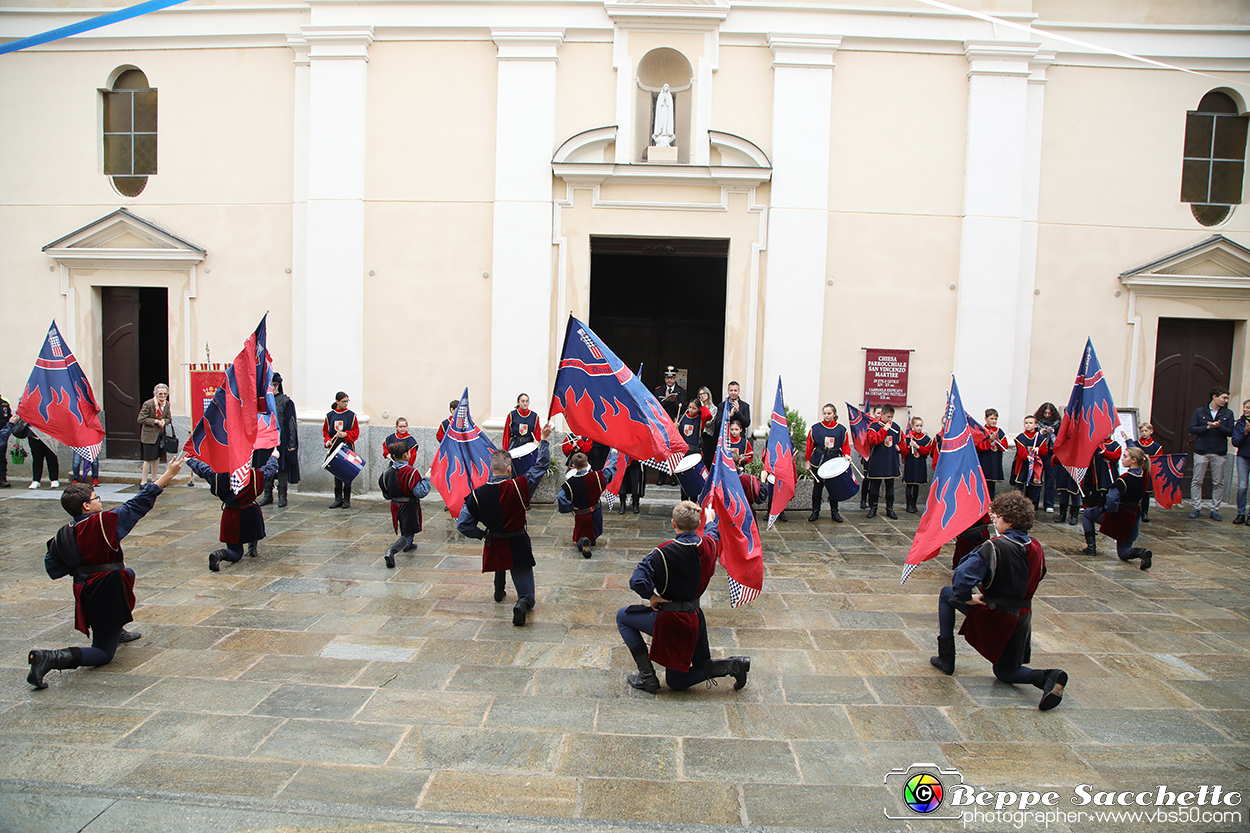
34,484
55,484
1050,509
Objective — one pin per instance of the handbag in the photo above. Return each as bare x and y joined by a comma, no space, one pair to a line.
168,440
20,430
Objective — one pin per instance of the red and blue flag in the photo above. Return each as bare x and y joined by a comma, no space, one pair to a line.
462,462
740,549
58,400
857,423
227,434
958,496
266,407
779,458
602,400
1089,418
1166,473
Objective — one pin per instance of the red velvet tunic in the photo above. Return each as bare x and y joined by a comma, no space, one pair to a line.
995,632
102,600
501,507
584,492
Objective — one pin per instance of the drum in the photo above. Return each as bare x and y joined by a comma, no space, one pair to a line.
343,463
841,477
523,458
691,475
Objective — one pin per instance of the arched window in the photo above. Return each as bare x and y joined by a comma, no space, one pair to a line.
657,68
130,132
1215,158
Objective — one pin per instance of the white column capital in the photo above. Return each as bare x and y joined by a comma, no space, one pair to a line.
338,43
1038,66
527,44
1000,57
815,51
298,44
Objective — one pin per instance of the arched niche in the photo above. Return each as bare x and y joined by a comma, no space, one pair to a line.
659,67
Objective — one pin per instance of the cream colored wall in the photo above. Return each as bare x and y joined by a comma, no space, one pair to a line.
742,96
431,129
585,89
428,309
1111,166
1210,12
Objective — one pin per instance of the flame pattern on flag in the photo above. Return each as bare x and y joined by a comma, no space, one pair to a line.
779,458
857,423
1167,471
462,462
1089,417
58,400
602,400
740,549
958,496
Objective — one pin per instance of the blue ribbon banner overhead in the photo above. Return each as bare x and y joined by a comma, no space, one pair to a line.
89,24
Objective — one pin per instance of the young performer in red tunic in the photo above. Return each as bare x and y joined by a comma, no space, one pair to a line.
1119,515
671,580
500,507
340,428
1146,442
826,440
991,443
740,444
404,486
520,426
401,435
994,588
442,428
884,464
90,549
1103,469
915,447
1026,469
580,496
242,521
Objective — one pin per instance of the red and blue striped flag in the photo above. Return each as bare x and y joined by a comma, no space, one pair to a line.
857,423
779,458
602,400
1089,417
740,549
958,496
462,462
226,435
58,400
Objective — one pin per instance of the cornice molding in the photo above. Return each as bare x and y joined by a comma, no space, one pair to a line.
1212,268
527,44
88,246
1000,57
811,51
338,43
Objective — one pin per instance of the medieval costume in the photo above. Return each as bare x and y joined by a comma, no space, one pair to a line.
242,521
580,496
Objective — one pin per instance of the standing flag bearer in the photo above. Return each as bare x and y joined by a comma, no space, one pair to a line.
1089,418
462,461
740,549
58,400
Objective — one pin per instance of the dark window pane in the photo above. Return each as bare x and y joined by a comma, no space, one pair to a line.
1209,215
145,111
1230,137
117,112
1217,102
131,79
117,155
1194,181
145,153
1198,136
1226,182
130,186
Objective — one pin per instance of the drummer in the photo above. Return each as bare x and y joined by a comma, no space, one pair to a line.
340,428
826,441
690,426
580,496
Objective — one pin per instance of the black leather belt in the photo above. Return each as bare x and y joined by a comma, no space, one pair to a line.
679,607
91,569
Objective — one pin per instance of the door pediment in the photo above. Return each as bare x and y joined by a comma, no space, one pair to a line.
123,240
1214,268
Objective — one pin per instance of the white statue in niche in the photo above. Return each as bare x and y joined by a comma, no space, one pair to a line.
664,134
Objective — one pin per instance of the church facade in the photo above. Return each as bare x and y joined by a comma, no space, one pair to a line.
419,193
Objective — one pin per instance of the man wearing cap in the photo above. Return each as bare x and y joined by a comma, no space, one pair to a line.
672,398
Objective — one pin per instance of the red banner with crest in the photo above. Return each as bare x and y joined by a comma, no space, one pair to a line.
205,379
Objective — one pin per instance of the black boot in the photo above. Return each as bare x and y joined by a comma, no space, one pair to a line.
782,517
214,560
390,553
1053,683
911,507
338,494
1063,514
815,516
736,667
945,660
620,505
833,509
1091,544
267,497
347,496
1146,556
635,505
282,492
583,546
872,510
523,606
1074,517
889,511
500,590
645,679
251,550
41,662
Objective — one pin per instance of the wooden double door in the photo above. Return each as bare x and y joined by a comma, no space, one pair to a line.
135,336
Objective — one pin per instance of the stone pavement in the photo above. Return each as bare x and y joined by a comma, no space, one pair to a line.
313,689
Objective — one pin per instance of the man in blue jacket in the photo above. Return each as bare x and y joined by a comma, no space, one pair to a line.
1211,425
